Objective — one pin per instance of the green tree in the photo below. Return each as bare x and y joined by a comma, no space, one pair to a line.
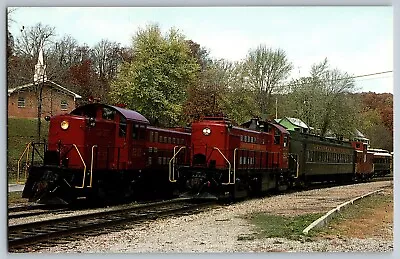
324,101
155,81
267,69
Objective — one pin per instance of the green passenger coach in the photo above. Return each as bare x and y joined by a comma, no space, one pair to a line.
316,159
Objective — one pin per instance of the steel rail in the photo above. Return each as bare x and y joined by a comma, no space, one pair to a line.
23,234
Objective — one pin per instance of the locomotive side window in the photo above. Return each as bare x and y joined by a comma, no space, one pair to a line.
161,139
122,126
155,136
277,137
135,131
108,114
151,136
285,141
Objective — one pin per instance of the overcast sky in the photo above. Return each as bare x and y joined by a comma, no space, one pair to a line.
357,40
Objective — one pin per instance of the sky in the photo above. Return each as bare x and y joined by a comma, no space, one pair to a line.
357,40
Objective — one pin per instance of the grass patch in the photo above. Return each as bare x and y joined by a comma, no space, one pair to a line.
268,225
15,198
361,209
19,133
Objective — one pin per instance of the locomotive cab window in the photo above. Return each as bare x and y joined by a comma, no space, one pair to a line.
277,138
285,141
135,131
108,114
122,126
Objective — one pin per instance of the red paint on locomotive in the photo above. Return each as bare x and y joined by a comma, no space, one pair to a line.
364,167
105,149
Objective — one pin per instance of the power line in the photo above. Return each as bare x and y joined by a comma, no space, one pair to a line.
344,78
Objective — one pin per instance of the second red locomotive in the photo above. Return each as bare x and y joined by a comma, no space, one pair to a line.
230,161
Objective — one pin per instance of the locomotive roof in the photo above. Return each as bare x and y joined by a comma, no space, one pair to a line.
280,128
168,130
131,115
128,114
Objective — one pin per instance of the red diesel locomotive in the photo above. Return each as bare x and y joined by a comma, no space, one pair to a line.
104,152
231,161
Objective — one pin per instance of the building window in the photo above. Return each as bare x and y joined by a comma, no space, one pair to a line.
64,105
21,102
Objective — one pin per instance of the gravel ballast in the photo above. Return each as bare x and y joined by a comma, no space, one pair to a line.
224,229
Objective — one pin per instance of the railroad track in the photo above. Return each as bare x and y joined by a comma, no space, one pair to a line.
34,210
30,233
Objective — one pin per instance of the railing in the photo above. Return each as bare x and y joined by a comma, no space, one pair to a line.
26,162
171,169
229,167
297,164
91,165
84,168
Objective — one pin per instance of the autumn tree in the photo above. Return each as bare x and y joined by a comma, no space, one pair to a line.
377,119
155,82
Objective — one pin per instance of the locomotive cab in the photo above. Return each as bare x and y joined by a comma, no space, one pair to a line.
84,150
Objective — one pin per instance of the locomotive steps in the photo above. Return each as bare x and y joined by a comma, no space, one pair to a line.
325,219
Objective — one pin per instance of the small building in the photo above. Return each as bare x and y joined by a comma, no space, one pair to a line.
294,124
23,100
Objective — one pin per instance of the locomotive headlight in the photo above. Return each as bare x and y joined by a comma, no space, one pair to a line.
64,125
206,131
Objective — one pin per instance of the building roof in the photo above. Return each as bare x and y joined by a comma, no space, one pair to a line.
53,84
296,122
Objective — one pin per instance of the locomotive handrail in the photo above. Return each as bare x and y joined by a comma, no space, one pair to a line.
84,168
26,162
297,165
91,166
229,168
171,173
234,164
